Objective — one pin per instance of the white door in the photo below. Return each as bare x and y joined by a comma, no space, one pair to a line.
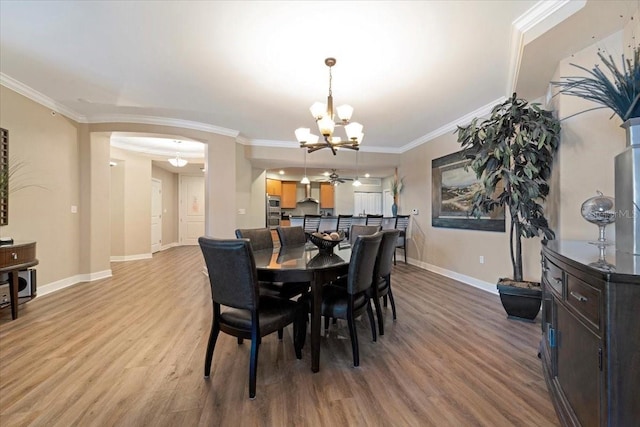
156,215
191,209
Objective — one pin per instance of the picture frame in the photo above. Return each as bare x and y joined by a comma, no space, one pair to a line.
452,191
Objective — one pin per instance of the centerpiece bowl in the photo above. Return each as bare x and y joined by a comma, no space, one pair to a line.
325,241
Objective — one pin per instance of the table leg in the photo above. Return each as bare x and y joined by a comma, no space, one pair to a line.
316,292
13,290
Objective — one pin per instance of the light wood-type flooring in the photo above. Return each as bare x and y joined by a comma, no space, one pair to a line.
129,351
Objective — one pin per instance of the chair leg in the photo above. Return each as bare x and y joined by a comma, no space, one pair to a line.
326,323
213,337
384,301
394,256
299,333
280,334
371,321
404,249
354,338
393,303
253,364
376,302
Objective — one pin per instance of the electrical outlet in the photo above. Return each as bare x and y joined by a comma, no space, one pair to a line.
481,259
414,211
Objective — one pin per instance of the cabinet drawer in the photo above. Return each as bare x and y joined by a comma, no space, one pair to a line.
585,299
554,277
14,255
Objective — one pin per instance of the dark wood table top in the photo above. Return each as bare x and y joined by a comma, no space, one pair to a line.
302,258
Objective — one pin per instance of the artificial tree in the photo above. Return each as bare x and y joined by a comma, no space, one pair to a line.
511,154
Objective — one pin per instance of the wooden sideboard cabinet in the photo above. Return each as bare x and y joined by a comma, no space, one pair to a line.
590,348
13,258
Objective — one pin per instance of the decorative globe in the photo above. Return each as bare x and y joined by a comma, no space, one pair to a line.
599,210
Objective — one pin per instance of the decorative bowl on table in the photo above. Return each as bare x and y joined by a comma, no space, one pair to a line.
326,241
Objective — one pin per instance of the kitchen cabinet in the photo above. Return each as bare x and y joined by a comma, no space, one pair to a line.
590,335
288,198
326,195
274,187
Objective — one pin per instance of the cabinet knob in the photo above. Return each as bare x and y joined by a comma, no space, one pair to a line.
14,255
558,280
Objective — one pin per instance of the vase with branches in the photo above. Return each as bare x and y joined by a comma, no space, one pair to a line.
396,188
617,88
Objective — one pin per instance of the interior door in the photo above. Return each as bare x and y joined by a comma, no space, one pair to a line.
191,209
156,215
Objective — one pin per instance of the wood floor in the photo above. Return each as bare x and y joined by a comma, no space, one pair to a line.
129,351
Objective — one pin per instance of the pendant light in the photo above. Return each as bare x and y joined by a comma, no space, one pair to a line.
305,180
356,182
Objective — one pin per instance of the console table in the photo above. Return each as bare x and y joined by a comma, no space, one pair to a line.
13,258
591,333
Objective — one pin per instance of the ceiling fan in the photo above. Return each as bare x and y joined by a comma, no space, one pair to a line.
335,179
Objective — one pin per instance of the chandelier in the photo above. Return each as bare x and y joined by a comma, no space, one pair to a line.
323,114
178,161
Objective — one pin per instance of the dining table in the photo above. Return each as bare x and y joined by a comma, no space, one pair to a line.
305,263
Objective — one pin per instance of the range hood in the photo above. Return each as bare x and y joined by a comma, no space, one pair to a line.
307,196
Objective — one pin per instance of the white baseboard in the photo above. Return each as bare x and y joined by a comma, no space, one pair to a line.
122,258
467,280
69,281
169,246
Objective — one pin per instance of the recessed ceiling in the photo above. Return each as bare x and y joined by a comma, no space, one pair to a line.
252,69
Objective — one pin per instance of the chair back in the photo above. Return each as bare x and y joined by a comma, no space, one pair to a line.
260,238
291,236
363,260
384,262
373,219
362,230
402,222
311,223
344,223
232,272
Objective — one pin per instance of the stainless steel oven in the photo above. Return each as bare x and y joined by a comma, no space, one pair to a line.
273,211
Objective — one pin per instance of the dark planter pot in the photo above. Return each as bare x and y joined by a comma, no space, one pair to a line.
520,303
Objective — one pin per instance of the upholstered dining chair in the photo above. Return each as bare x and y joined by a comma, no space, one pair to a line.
362,230
234,284
373,220
340,302
291,236
402,223
311,223
382,275
261,239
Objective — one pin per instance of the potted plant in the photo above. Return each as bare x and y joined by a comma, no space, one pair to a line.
619,90
511,154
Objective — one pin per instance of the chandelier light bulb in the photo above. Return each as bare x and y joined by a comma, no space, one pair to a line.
344,112
318,110
326,126
302,135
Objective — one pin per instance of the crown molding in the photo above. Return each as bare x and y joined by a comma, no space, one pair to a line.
543,16
45,101
452,126
34,95
163,121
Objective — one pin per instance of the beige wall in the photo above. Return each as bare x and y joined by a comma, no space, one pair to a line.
136,203
48,144
117,209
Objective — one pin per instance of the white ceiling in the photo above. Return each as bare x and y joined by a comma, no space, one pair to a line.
250,69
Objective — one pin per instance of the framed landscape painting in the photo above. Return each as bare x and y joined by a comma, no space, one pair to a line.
452,193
